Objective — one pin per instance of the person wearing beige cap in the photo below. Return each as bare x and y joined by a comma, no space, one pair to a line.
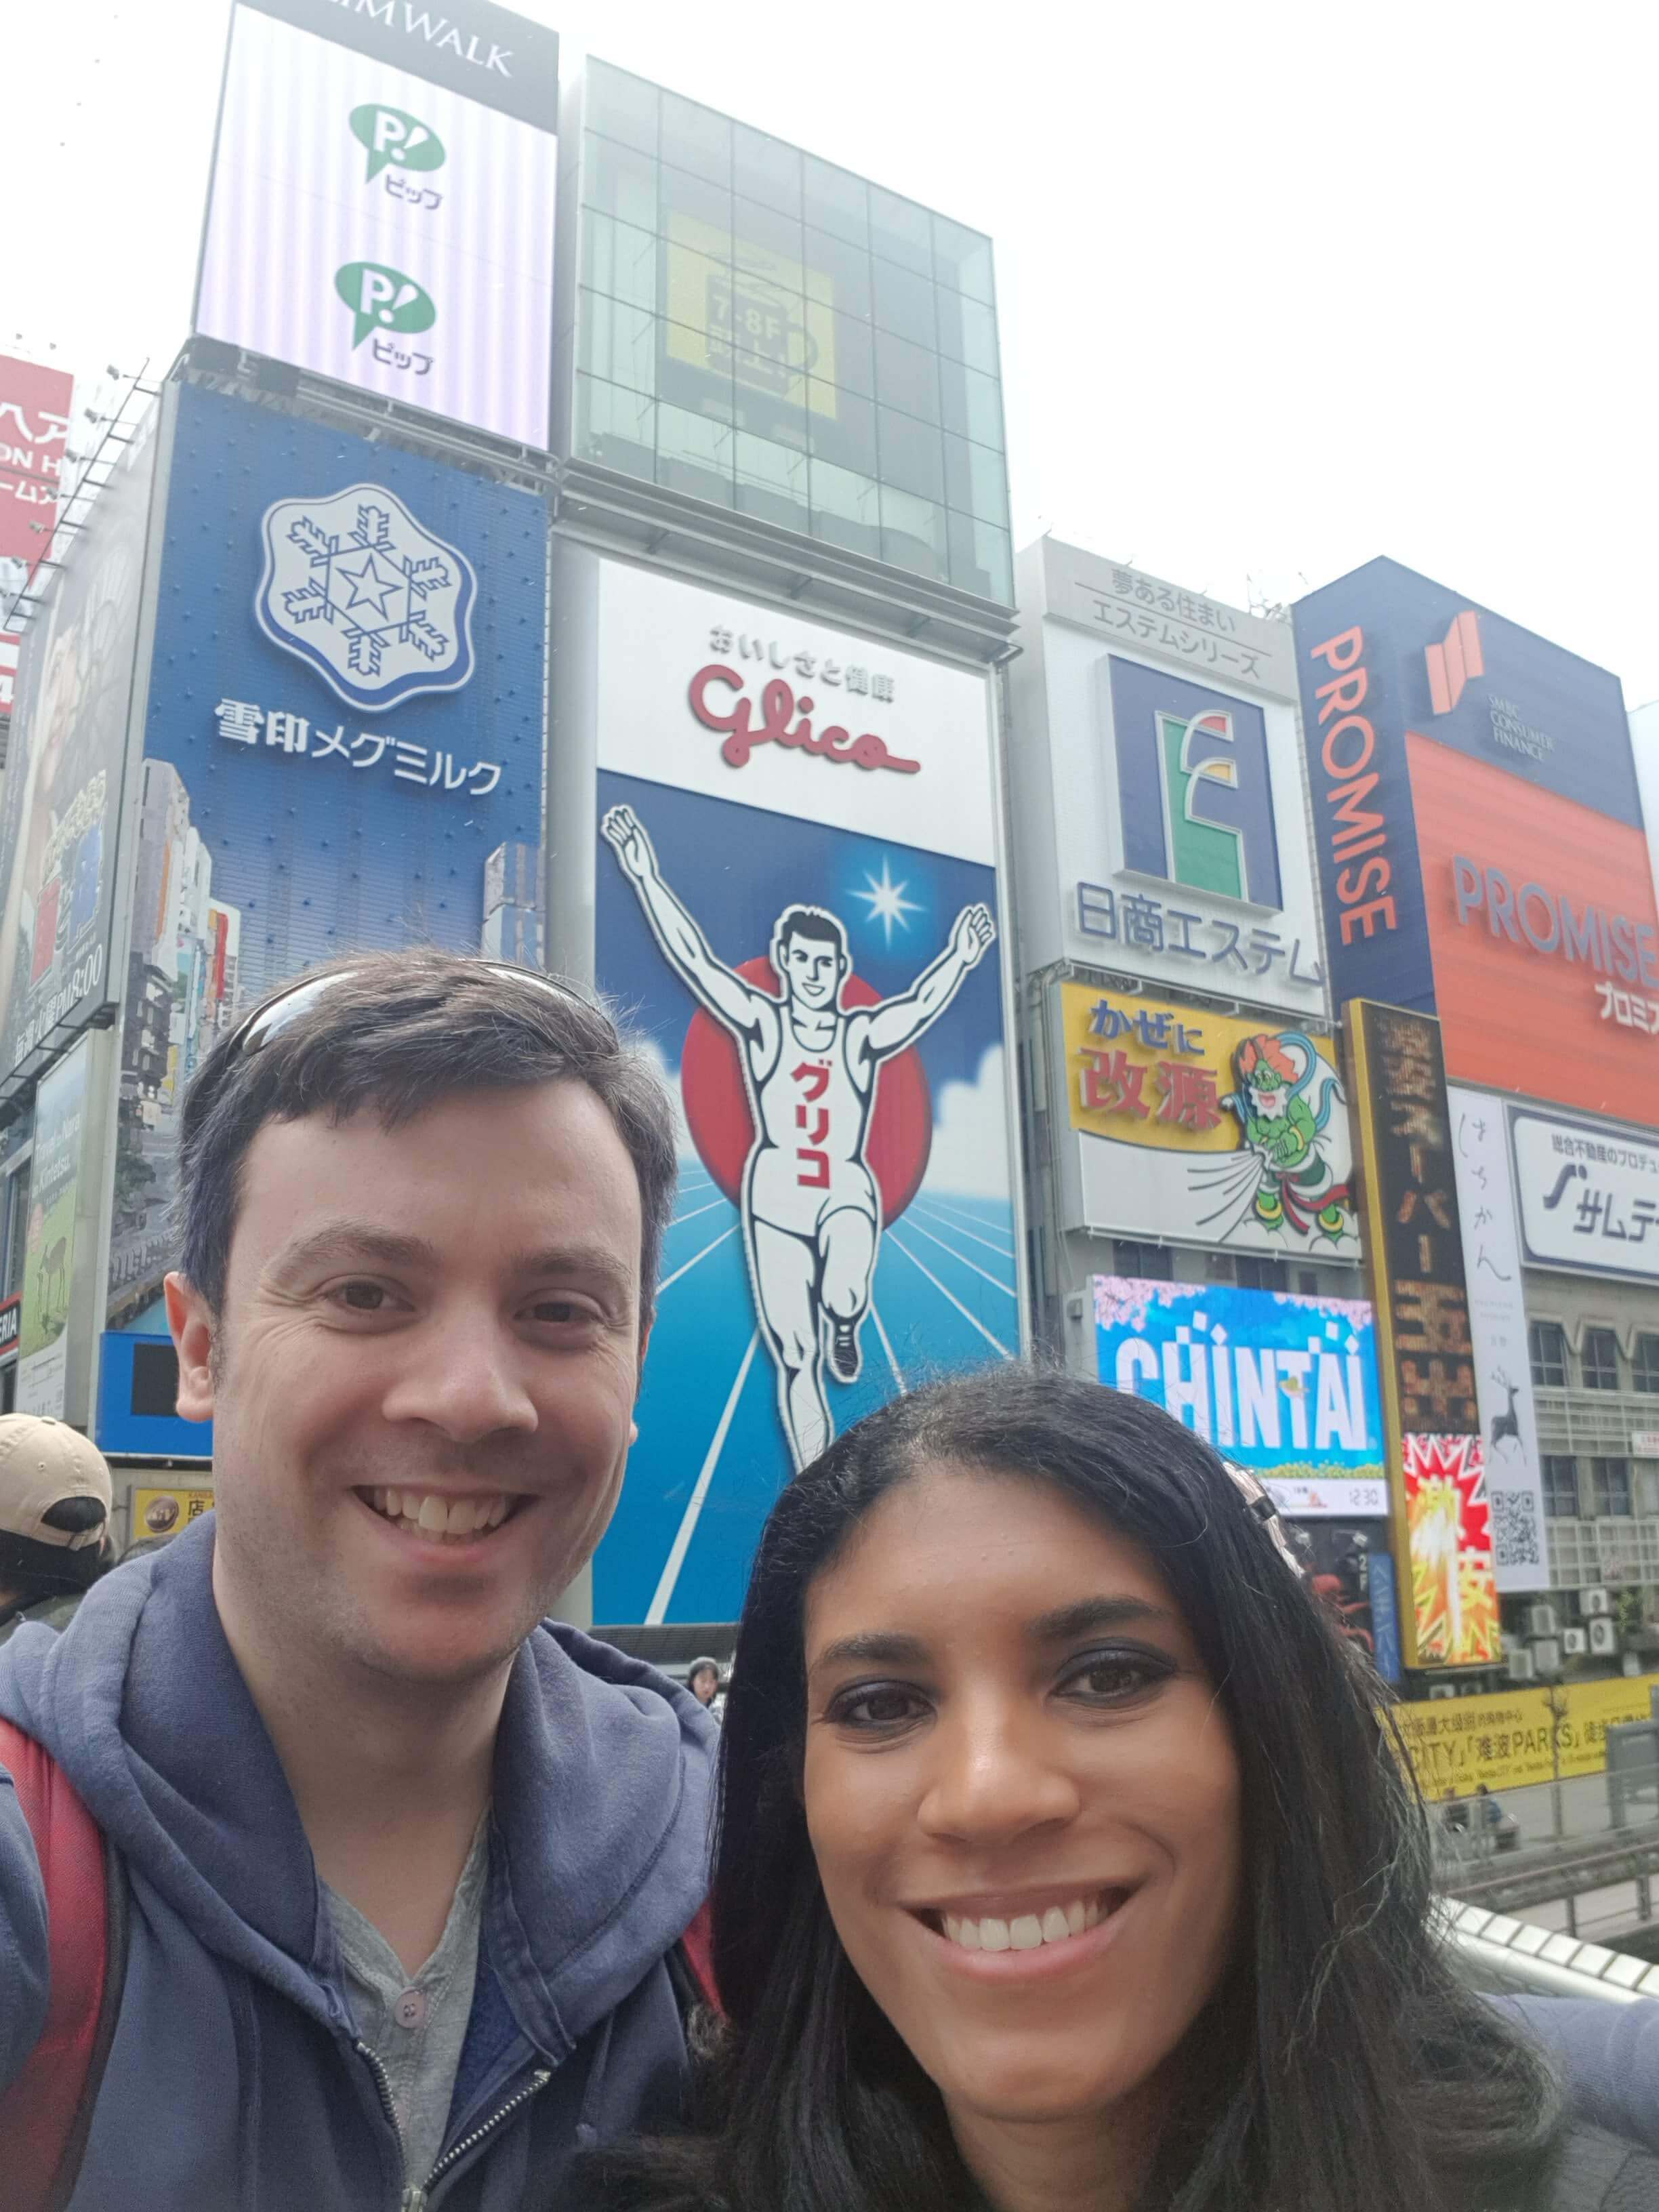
55,1501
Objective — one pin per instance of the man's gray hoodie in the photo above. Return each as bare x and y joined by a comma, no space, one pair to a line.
236,2083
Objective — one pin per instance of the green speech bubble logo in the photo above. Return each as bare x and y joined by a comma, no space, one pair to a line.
391,135
383,299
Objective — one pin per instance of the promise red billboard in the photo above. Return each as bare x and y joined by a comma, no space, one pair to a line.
1544,935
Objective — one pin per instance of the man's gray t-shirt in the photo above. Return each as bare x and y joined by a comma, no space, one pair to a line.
416,2024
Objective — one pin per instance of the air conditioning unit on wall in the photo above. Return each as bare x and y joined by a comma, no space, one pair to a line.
1540,1620
1594,1601
1521,1667
1574,1643
1603,1638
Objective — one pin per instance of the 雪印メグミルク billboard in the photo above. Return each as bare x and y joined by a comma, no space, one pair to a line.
344,723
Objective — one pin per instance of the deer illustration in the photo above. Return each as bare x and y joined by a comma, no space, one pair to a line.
1506,1425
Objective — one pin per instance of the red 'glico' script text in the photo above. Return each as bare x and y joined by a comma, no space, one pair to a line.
778,703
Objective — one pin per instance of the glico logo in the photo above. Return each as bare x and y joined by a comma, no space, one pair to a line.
778,703
1205,756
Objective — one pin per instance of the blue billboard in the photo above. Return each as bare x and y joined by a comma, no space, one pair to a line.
345,721
1284,1385
1383,651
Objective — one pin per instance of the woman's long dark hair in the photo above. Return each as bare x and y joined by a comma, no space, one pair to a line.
1341,2068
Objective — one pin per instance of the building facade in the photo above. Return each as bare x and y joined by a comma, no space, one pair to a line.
1488,877
690,544
1173,991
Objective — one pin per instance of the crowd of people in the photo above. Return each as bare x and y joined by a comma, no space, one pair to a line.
1054,1853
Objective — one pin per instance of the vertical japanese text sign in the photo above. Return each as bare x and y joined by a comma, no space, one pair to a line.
1425,1359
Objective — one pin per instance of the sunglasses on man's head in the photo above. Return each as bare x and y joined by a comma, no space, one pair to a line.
284,1007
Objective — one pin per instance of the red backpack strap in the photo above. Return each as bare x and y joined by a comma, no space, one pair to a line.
45,2114
697,1948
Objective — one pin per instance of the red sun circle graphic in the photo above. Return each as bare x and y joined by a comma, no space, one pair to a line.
722,1127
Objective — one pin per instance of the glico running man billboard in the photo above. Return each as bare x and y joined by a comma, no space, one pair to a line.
344,722
397,165
797,894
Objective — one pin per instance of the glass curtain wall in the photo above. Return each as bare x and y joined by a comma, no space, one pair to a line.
759,328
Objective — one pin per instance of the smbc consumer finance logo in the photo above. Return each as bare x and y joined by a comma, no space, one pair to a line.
391,136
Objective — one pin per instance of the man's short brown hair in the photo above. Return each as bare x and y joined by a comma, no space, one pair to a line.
397,1033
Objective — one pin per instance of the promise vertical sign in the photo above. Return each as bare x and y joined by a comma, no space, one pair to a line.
1425,1357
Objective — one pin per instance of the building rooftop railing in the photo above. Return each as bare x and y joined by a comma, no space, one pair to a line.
1515,1958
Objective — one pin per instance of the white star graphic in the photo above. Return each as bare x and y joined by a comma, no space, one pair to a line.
369,586
886,901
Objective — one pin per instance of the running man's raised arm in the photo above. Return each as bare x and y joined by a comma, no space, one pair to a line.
899,1022
732,1002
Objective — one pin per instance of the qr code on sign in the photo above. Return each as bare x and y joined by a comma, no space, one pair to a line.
1514,1528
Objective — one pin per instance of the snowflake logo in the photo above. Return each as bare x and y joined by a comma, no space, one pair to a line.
380,607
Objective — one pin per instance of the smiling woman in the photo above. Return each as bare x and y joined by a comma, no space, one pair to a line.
1064,1865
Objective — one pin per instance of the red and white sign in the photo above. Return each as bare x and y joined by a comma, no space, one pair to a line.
1544,934
34,415
718,694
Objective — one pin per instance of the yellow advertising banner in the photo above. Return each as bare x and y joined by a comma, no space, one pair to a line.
165,1512
738,309
1146,1072
1204,1128
1504,1740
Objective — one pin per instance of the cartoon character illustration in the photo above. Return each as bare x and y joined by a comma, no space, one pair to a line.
810,1204
1284,1103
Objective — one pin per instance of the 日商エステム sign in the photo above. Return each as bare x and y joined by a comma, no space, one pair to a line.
1156,751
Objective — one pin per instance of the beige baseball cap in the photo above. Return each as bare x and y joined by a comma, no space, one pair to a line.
42,1462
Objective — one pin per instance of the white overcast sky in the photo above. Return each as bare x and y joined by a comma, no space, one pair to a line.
1282,287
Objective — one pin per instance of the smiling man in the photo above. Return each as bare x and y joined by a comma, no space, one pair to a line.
407,1866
